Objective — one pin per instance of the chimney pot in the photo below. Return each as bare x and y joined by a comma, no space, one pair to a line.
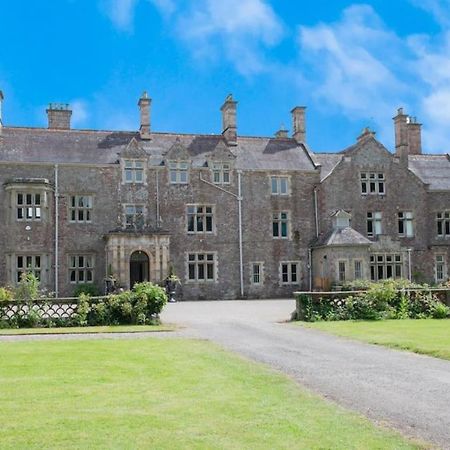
59,115
282,133
229,126
298,123
144,104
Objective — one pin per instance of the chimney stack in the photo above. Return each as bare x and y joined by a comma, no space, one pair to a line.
59,115
408,135
298,123
144,107
282,133
366,133
414,136
229,120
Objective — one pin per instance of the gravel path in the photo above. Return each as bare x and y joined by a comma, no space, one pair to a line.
409,392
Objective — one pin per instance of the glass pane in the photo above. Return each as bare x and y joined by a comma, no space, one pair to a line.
192,271
89,277
20,213
38,213
283,186
209,257
201,271
173,176
139,176
199,223
29,262
37,262
274,186
226,177
191,257
81,261
284,229
209,224
20,199
191,223
216,177
81,275
20,262
294,273
29,212
210,271
37,199
73,261
29,199
275,229
128,163
183,177
200,257
128,175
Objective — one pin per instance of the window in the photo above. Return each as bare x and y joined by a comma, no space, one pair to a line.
178,172
201,267
134,216
289,272
372,183
405,224
440,268
280,225
256,273
28,264
341,272
443,223
81,269
358,270
221,173
199,219
28,206
374,223
383,266
80,208
279,185
133,170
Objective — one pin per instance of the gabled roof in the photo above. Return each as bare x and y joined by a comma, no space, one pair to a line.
342,237
433,170
104,147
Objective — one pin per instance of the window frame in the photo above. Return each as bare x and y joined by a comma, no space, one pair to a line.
178,168
223,171
260,274
372,183
35,269
276,185
444,268
203,217
83,269
289,273
405,218
443,222
30,211
134,166
199,262
277,225
131,225
383,261
375,220
86,210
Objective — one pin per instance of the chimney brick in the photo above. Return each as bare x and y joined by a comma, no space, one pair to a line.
229,127
59,115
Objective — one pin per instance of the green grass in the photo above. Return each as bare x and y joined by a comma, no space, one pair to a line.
164,394
83,330
427,336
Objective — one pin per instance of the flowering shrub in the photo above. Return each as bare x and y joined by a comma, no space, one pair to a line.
387,299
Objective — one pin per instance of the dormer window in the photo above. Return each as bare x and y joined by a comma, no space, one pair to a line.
178,172
221,172
133,170
372,183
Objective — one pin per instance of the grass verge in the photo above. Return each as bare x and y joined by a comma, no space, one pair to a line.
426,336
165,394
84,330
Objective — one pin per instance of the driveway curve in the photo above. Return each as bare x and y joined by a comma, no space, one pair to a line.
407,391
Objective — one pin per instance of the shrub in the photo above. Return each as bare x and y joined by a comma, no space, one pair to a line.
28,288
440,311
5,294
89,289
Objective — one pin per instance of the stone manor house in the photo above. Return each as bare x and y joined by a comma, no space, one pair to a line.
232,216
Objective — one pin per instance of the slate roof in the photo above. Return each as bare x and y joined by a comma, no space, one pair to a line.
328,161
342,237
432,169
104,147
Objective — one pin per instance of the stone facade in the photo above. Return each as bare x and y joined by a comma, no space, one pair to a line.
231,216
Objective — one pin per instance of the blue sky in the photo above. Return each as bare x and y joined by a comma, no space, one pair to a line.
352,64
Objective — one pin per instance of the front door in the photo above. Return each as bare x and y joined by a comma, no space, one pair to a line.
139,268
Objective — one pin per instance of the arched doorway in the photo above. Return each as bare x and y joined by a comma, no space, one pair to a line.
139,266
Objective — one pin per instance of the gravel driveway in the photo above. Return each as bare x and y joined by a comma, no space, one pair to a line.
408,391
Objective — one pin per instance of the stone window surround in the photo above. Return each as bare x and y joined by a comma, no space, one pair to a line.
406,217
196,262
374,220
77,269
134,170
277,220
29,186
392,262
289,273
221,172
342,270
252,265
12,269
124,215
440,267
277,180
372,183
204,215
443,224
178,170
77,208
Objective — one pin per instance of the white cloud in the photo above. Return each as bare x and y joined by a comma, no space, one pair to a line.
80,113
165,7
237,31
351,65
121,13
439,9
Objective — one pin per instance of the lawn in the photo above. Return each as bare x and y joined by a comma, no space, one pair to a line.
427,336
164,394
84,330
